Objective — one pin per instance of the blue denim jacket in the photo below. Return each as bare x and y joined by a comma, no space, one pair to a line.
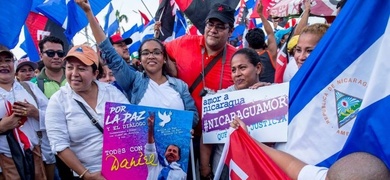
134,83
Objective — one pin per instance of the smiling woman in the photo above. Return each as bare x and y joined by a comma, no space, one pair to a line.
73,134
22,117
143,88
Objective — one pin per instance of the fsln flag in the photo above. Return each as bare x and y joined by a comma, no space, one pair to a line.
37,27
166,15
197,10
111,22
12,17
68,14
340,86
242,158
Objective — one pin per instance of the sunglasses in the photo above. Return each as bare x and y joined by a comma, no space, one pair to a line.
52,53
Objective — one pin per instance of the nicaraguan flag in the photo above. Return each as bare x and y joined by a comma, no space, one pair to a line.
340,98
111,23
69,15
12,17
148,31
179,27
135,34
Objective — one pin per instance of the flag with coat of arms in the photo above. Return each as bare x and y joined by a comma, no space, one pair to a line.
339,99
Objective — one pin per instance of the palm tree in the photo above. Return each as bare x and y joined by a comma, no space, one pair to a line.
120,17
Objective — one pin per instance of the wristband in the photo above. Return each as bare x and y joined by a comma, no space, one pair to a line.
82,174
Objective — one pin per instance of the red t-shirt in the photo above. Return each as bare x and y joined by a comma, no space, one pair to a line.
186,51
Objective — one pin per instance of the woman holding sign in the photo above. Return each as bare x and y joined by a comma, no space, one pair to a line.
74,117
153,87
246,67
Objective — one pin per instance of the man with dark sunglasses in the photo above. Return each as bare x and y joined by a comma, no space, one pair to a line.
52,76
49,80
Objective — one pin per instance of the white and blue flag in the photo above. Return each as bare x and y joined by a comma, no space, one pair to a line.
69,15
135,34
148,31
340,98
111,22
12,17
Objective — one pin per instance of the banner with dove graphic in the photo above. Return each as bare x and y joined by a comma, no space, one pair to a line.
126,135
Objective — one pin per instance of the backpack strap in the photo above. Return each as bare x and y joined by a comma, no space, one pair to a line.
40,83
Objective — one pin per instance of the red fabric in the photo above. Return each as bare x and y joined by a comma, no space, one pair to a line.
189,66
144,17
193,31
252,24
281,64
36,26
246,158
266,4
19,133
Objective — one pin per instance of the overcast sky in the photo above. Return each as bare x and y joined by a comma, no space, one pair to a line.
128,7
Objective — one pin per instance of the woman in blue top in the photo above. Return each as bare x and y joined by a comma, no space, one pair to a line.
153,87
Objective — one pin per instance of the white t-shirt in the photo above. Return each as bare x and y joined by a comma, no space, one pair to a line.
291,69
162,96
310,172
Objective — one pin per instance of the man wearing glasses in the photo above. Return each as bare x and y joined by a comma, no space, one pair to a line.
193,54
49,80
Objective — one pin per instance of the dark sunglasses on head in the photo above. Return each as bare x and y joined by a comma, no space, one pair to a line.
51,53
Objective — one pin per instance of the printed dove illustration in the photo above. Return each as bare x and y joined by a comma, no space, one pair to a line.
165,117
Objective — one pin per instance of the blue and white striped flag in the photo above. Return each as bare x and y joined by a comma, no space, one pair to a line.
340,98
179,27
148,31
111,23
135,34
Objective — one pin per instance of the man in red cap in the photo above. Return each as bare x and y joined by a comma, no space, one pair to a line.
120,46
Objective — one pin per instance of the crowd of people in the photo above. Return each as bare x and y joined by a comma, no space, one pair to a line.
47,107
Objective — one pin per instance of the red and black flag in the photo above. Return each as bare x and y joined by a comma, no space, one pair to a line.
166,15
197,10
39,26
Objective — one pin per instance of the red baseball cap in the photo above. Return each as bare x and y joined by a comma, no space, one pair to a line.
117,38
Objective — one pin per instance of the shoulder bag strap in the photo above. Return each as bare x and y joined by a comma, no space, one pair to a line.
28,89
207,69
93,120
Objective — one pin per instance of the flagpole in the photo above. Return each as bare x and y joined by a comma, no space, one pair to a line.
147,9
192,160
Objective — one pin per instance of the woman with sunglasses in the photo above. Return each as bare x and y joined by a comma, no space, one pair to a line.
152,87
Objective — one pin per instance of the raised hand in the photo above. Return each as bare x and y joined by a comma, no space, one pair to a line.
259,8
84,4
307,4
151,119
